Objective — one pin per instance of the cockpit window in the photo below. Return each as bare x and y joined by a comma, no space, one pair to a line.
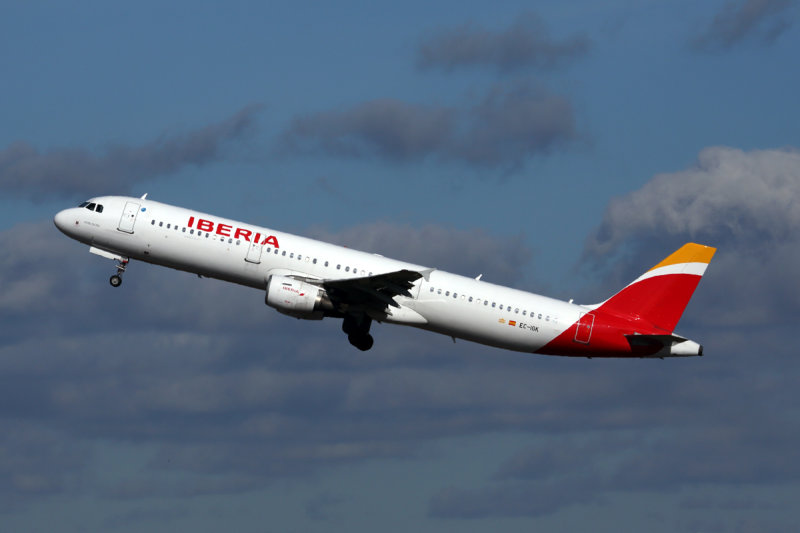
91,206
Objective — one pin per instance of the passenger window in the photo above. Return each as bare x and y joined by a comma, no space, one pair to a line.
470,298
540,316
291,255
486,302
338,267
299,257
447,293
347,269
169,226
326,263
524,313
161,224
455,295
153,222
184,230
439,291
431,289
516,310
314,261
284,253
494,304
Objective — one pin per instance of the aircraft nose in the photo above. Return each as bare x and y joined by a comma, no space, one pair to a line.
63,220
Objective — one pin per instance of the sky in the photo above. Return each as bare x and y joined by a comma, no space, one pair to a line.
557,147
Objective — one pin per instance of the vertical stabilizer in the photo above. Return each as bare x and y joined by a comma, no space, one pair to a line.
660,295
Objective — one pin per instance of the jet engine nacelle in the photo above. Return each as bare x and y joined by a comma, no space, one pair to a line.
297,298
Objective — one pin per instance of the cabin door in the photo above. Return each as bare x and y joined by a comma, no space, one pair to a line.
584,330
128,218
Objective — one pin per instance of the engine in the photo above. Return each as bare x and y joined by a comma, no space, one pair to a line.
297,298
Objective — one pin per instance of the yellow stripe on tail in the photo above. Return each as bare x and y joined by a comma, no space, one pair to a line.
688,253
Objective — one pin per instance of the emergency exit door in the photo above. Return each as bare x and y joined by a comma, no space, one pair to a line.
254,253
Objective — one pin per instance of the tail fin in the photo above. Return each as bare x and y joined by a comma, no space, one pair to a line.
660,295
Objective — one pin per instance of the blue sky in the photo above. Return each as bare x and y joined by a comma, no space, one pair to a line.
556,147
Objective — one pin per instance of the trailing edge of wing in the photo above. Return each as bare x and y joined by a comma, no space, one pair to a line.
374,293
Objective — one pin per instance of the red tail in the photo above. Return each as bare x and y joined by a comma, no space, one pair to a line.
660,295
639,320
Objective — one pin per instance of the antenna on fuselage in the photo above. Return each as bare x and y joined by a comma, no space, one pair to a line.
144,196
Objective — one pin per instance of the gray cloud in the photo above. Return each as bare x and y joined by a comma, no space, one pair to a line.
524,45
507,126
563,471
513,123
729,196
745,203
73,171
230,396
738,21
35,461
386,128
510,500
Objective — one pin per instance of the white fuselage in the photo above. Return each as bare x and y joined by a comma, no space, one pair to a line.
225,249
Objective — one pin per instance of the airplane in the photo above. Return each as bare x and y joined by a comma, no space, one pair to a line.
309,279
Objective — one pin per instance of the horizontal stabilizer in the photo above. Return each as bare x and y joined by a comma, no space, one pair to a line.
663,346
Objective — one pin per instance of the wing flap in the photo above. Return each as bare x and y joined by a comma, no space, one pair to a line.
375,294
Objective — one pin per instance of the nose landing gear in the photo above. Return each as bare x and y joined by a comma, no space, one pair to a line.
116,279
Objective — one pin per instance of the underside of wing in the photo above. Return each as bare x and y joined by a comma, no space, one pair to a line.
372,295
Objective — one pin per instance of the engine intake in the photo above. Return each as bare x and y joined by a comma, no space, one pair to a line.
297,298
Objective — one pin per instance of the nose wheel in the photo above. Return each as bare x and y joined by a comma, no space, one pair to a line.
116,279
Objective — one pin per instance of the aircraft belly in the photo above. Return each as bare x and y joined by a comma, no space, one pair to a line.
471,323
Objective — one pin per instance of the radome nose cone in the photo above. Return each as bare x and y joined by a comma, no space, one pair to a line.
62,220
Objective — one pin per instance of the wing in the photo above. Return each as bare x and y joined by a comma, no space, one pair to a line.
372,295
